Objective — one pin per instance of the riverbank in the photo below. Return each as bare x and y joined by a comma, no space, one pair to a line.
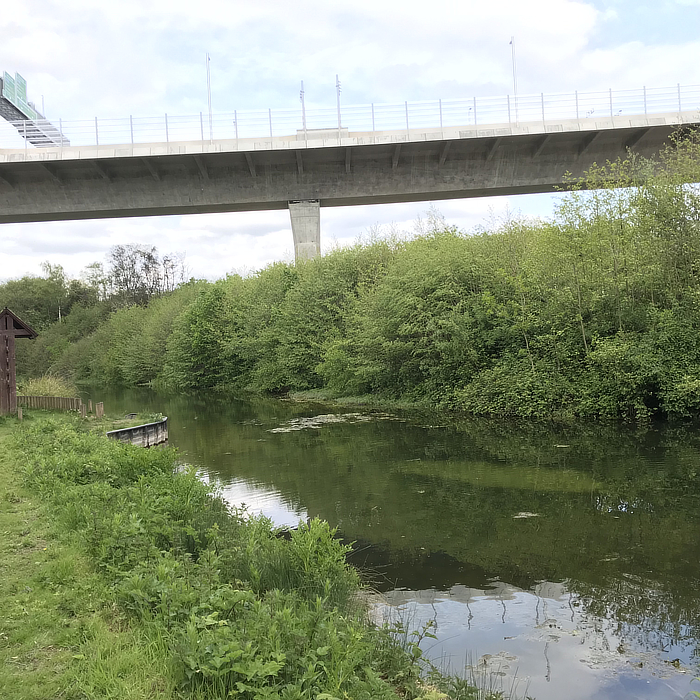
124,577
60,635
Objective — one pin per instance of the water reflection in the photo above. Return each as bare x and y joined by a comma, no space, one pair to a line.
541,642
495,528
256,499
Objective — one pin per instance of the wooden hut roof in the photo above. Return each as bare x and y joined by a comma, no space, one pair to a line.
15,325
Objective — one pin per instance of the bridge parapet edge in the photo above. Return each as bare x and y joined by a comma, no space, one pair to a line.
347,138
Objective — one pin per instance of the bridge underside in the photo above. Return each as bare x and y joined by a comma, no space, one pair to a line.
229,181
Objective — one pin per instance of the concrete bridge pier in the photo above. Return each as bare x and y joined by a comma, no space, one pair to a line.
306,228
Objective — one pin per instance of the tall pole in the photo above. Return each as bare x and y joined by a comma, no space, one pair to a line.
337,94
303,108
515,78
211,123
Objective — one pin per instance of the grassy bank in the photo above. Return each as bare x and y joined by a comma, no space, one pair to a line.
123,577
60,635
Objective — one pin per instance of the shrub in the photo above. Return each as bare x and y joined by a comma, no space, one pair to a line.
48,385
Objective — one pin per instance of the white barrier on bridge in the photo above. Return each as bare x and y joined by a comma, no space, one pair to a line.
358,124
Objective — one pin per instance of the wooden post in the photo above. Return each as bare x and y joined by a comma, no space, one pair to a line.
11,327
99,409
83,410
19,413
8,381
89,405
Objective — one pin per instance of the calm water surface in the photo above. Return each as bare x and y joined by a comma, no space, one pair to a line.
564,561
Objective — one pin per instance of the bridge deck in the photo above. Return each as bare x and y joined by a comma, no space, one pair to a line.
333,138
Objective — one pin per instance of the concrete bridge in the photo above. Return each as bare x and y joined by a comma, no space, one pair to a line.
312,167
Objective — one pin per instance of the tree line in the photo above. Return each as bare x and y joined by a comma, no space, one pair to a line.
593,312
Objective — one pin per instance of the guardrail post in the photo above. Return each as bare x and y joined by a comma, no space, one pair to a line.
576,94
373,127
440,106
408,135
167,135
269,111
235,124
611,105
60,131
645,100
680,109
97,135
508,99
25,139
475,111
131,128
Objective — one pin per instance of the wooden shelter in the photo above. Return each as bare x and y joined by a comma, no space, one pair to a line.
11,327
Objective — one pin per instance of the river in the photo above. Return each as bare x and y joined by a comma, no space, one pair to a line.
563,562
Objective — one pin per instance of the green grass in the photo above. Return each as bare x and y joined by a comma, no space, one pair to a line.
123,578
60,636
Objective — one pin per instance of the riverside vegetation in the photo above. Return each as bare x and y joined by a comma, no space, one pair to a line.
593,313
137,581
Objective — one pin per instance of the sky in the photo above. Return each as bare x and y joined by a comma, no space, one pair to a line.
87,58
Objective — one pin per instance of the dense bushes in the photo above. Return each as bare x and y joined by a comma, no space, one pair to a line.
594,313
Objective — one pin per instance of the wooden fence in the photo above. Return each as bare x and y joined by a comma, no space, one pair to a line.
50,403
59,403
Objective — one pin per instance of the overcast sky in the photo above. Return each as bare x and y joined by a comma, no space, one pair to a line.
113,58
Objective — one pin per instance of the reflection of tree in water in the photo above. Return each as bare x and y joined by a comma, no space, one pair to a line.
616,512
645,616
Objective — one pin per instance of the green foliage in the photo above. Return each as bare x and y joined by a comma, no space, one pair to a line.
48,385
243,612
594,313
196,348
37,300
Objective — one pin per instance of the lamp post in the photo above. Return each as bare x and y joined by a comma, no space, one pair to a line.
515,78
337,94
211,123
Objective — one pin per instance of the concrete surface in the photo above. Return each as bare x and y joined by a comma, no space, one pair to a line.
332,170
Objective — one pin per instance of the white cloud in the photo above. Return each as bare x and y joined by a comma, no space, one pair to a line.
129,57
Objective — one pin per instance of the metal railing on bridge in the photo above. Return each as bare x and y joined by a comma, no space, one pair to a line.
331,123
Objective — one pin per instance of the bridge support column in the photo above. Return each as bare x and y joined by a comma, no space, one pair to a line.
306,228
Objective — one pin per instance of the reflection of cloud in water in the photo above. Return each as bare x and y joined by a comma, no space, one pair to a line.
542,638
260,500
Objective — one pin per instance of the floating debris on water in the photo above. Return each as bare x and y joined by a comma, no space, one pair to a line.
316,422
494,664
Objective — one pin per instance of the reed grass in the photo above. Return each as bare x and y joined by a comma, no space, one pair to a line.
48,385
